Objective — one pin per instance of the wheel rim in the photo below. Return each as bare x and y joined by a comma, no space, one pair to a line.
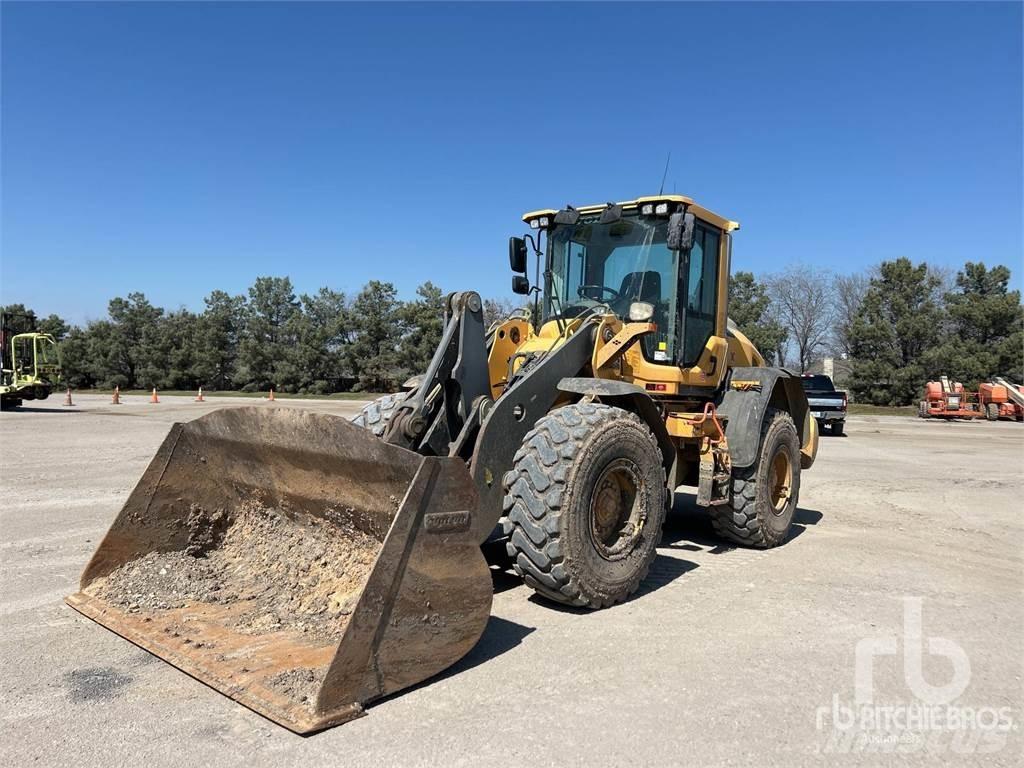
781,479
616,509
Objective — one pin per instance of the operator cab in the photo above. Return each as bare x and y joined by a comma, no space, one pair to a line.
617,258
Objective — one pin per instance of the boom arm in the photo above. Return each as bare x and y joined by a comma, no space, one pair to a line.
440,417
451,412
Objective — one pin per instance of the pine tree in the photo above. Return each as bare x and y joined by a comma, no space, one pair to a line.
985,335
218,335
373,354
269,339
422,323
897,325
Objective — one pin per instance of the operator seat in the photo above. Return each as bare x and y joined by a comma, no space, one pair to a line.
642,286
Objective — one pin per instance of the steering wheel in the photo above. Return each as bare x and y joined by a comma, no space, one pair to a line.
603,289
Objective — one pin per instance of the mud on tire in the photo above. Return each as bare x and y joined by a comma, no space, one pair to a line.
584,505
752,518
376,414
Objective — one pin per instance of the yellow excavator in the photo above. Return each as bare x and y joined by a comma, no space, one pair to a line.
304,565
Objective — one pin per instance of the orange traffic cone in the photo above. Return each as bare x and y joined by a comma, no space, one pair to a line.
271,396
67,400
199,397
153,398
116,399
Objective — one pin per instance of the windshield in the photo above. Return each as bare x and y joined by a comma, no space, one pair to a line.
614,265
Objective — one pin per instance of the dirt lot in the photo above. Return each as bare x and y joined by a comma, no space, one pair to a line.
909,548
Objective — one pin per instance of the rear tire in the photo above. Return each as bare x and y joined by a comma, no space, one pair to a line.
837,428
992,411
764,495
922,409
376,414
584,505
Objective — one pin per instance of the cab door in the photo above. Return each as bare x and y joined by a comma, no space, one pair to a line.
704,276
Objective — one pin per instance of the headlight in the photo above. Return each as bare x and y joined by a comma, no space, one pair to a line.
647,209
641,311
661,209
544,221
534,223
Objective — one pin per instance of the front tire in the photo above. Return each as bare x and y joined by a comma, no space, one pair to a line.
992,411
584,505
764,495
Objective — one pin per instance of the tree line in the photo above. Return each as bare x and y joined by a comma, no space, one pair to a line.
895,326
269,337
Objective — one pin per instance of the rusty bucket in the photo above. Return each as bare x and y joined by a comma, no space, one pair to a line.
295,563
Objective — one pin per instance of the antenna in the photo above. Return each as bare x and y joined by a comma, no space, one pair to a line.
665,174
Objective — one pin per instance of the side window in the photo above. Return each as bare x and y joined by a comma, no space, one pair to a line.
701,294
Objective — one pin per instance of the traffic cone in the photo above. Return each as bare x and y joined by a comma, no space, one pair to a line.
199,397
271,397
153,398
116,399
67,399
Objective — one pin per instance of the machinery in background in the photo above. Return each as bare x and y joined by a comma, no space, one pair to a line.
29,363
945,399
1001,399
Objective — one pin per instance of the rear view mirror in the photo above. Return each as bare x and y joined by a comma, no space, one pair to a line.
517,254
520,284
680,232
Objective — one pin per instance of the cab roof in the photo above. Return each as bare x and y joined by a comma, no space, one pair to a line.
699,211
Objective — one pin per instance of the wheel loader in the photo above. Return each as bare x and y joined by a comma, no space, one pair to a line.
304,565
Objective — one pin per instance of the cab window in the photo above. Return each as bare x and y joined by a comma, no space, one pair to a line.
701,293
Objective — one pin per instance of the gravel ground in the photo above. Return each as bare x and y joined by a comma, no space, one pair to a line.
908,547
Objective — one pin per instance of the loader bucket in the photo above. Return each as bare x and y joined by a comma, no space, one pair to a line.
294,562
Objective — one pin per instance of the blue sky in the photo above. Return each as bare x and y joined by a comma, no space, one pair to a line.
178,148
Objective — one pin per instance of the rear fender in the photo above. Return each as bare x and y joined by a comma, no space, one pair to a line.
749,392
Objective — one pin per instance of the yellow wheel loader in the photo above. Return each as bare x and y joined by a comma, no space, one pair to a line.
304,565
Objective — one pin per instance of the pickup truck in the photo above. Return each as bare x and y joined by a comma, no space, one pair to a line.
828,404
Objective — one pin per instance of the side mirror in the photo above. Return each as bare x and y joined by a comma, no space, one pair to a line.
520,284
517,254
680,232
